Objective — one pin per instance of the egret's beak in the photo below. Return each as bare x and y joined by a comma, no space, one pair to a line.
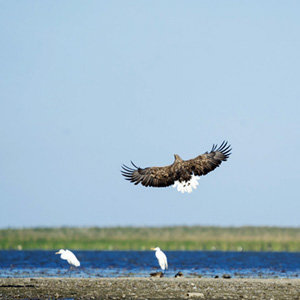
57,252
152,248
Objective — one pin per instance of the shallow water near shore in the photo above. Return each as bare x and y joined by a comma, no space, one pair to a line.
208,264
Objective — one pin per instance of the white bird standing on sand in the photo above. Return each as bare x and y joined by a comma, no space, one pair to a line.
69,256
161,257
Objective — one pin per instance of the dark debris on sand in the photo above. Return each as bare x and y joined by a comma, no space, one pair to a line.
157,274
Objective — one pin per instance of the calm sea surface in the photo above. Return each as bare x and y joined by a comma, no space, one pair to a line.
141,263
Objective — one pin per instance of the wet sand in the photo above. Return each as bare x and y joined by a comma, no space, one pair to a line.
149,288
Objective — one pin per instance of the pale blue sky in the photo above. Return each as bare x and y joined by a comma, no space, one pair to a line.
88,85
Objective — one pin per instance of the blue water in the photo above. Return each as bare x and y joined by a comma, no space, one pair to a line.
141,263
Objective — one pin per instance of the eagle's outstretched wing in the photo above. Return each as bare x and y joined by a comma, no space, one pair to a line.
154,176
207,162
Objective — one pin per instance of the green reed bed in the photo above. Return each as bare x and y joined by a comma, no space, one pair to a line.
142,238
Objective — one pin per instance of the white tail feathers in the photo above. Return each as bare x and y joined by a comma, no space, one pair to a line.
187,186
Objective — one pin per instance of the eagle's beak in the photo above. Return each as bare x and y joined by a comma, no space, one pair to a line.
152,248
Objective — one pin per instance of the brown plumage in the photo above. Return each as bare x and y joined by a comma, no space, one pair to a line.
181,171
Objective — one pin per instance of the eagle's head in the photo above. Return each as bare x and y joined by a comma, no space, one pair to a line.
177,158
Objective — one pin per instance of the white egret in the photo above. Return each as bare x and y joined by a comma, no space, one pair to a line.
69,256
161,257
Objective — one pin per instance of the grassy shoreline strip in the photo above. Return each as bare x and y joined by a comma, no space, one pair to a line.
142,238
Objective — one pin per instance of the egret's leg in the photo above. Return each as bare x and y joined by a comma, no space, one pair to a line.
70,270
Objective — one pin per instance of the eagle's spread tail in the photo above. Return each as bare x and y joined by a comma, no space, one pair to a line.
187,186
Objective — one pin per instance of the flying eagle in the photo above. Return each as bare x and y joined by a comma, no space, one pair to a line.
182,174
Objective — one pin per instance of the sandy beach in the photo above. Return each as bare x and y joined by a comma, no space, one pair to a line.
149,288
